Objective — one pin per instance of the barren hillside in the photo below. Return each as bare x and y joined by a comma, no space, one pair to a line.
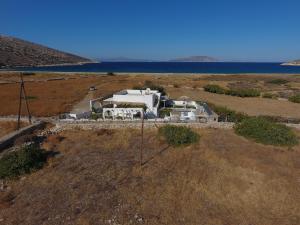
16,52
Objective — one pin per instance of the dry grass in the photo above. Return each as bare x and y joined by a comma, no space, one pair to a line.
52,97
224,179
58,96
9,126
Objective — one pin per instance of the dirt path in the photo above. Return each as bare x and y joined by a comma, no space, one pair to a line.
84,104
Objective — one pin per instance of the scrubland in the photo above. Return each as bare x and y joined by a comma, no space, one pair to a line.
96,178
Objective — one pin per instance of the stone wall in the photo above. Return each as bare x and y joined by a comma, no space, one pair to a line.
60,126
8,140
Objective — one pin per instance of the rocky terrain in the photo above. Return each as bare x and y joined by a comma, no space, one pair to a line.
15,52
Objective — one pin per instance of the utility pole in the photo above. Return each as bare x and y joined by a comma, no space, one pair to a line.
21,97
142,139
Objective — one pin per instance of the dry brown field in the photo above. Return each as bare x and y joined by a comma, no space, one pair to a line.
96,179
9,126
55,93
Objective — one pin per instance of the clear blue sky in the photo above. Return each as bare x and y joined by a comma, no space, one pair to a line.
249,30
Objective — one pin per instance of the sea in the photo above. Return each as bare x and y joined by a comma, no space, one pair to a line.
173,67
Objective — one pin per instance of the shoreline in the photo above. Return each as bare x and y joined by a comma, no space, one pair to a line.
50,65
149,73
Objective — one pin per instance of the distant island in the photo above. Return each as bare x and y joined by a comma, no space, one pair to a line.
124,59
15,52
195,59
293,63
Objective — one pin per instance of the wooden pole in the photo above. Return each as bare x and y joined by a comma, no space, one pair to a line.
22,95
20,106
142,139
27,106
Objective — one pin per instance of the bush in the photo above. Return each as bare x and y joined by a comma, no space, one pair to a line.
295,98
243,92
152,86
214,89
110,74
233,92
28,74
278,81
228,115
279,119
178,135
269,95
31,97
96,116
26,160
164,112
267,132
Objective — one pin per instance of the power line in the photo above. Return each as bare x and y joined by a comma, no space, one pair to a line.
21,97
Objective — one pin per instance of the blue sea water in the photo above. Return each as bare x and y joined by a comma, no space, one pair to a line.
173,67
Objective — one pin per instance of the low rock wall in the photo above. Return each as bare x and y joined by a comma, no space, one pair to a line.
60,126
8,140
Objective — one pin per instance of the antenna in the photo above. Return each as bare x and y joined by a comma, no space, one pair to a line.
22,96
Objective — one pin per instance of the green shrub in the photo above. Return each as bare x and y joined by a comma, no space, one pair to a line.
295,98
228,115
213,88
178,135
28,74
152,86
278,81
265,131
269,95
164,112
110,74
280,119
243,92
26,160
233,92
96,116
31,97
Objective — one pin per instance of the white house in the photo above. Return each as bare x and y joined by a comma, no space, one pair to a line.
131,104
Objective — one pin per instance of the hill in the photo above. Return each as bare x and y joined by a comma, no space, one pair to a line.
15,52
195,59
293,63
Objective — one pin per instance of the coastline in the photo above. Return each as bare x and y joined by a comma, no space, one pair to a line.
49,65
151,74
66,64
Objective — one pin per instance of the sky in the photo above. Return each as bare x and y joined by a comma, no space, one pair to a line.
230,30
